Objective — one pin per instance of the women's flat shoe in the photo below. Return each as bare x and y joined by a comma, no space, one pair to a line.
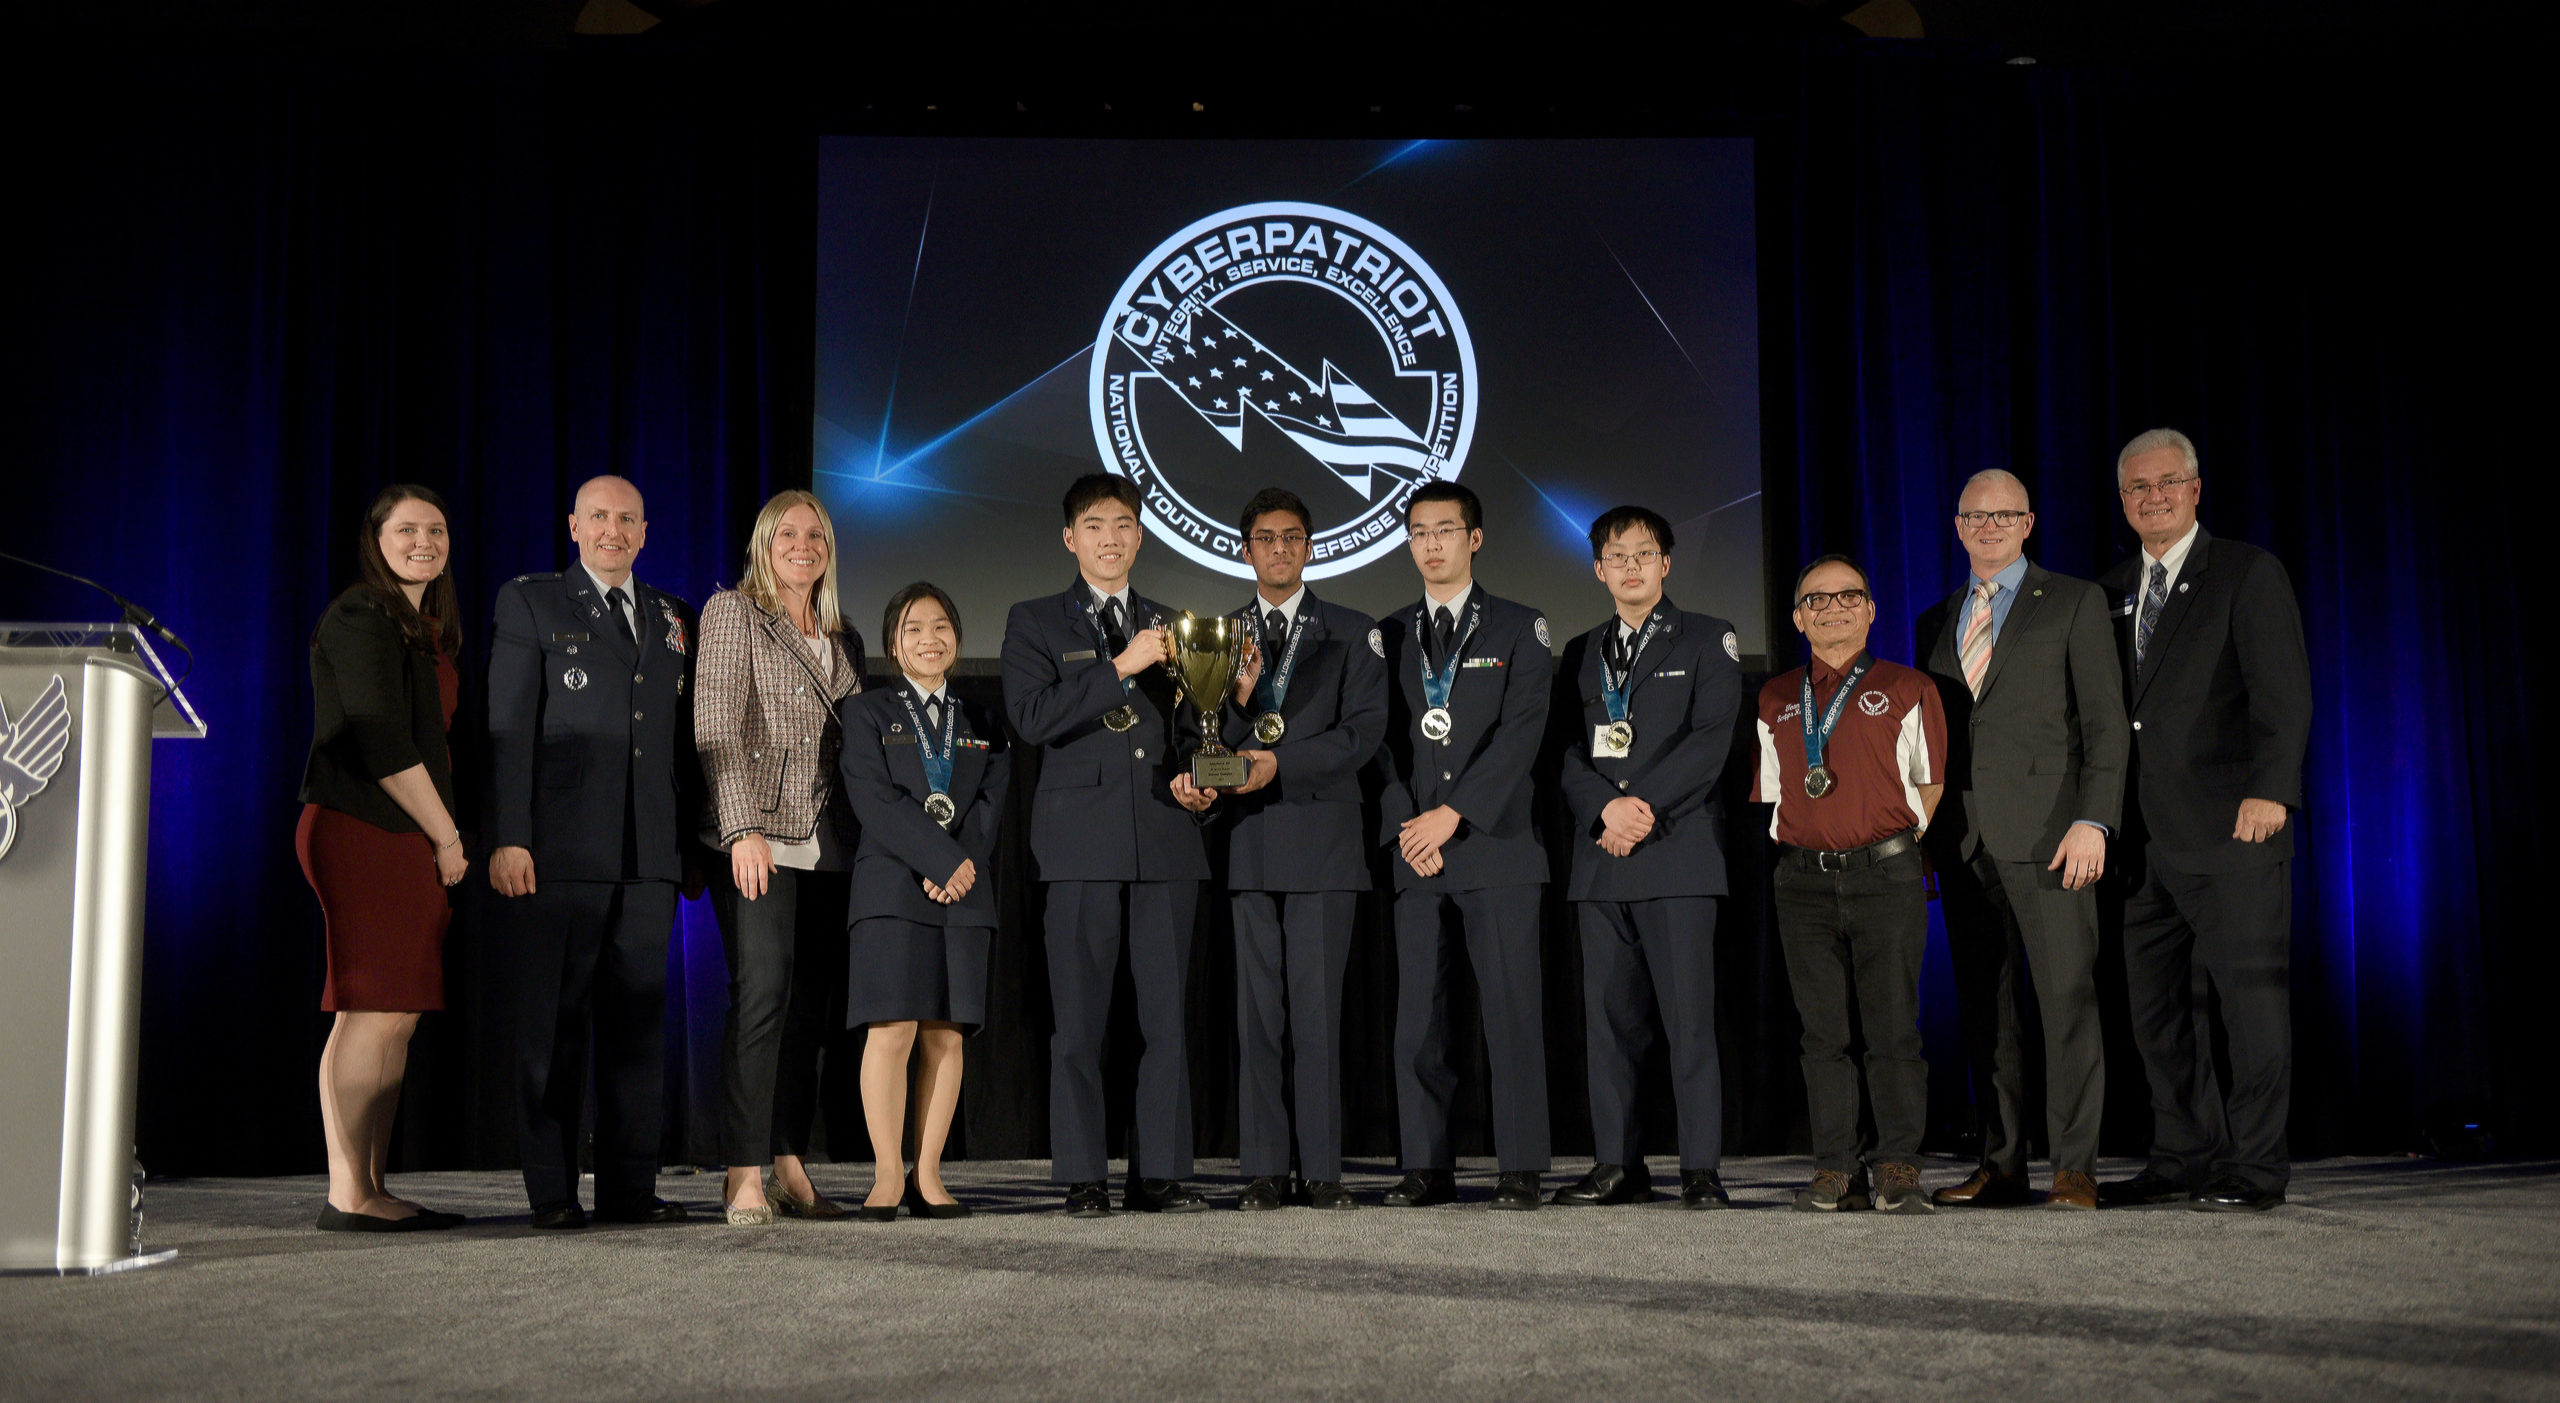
791,1205
332,1220
756,1217
869,1214
436,1221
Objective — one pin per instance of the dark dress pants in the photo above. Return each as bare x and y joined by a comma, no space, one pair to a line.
1291,951
1085,923
1643,961
2002,916
589,961
2239,927
1500,929
786,954
1861,933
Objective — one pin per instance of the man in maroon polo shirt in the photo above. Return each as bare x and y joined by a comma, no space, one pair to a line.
1852,753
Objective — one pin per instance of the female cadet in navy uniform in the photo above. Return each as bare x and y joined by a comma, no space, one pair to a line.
926,774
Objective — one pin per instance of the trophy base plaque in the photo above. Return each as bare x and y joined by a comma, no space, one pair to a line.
1219,771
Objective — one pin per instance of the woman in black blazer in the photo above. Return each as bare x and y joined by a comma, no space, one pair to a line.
926,774
377,839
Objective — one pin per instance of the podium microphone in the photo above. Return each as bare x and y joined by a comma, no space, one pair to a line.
134,614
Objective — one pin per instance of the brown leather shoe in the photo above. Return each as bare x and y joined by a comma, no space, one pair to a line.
1988,1188
2072,1189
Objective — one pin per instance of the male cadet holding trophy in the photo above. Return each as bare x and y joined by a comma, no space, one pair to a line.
591,778
1314,709
1084,680
1464,725
1659,690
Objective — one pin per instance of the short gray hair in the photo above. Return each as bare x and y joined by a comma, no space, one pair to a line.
1995,475
2152,441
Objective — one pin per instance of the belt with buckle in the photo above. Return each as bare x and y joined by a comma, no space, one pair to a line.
1816,860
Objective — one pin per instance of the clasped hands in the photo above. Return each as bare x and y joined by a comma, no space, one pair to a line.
1422,836
962,879
1624,822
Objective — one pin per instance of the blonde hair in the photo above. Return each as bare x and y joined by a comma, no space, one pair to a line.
759,583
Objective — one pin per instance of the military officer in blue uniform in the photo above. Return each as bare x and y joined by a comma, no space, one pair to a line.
1314,709
1658,691
1121,854
592,774
1465,720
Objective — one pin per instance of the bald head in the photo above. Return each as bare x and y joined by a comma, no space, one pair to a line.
609,526
1993,520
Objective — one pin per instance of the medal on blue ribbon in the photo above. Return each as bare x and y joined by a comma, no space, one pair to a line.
1125,716
1818,777
1615,686
1269,726
1436,722
937,757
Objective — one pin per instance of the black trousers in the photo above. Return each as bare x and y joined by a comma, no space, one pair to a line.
2002,917
1644,961
1859,934
787,957
1500,928
1086,924
1291,951
589,964
2238,926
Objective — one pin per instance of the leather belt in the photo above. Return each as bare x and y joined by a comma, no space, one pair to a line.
1816,860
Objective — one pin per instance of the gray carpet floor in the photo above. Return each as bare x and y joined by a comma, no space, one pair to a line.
2383,1278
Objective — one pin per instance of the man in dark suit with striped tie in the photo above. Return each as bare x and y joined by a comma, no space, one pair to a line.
2219,691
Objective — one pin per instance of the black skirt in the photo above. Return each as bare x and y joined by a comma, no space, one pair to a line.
904,972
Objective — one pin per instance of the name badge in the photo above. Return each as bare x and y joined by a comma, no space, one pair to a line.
2122,609
1668,672
569,638
1610,742
1081,655
899,739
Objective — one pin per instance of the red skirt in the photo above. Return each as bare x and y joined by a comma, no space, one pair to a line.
384,912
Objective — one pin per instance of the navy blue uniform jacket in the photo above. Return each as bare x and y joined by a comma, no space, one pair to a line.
1498,715
882,771
1302,831
1102,809
1685,698
584,726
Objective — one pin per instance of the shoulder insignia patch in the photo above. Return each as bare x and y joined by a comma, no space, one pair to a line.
1377,642
1542,632
1732,646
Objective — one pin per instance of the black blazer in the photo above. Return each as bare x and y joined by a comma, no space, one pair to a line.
375,711
1498,715
2046,745
1302,832
2221,705
1103,808
881,770
589,734
1685,697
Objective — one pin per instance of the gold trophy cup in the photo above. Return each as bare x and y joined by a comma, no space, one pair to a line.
1206,656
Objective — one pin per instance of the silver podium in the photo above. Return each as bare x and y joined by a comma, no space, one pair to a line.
80,705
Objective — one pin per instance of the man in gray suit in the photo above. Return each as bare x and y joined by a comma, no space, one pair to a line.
2035,712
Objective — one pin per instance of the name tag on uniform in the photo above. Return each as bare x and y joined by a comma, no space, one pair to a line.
1481,662
1668,672
569,638
1610,742
900,739
2122,609
1081,655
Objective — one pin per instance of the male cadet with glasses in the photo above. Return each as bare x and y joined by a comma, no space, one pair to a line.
1084,680
1853,753
2220,695
1313,710
1659,691
592,780
1466,718
2026,667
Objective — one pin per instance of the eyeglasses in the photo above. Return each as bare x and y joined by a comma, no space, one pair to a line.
2132,490
1439,535
1287,540
1632,560
1973,520
1846,598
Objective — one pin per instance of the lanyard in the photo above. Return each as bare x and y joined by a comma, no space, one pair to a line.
1093,616
1815,740
1275,683
1435,684
1613,683
937,760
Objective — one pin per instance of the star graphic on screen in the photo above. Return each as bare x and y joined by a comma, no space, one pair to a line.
1220,403
1295,397
1194,379
1323,422
1208,340
1271,404
1266,375
1241,361
1190,351
1217,374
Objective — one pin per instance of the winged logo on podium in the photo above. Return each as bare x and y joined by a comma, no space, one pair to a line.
31,750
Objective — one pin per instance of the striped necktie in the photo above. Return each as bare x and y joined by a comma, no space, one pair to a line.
1976,652
2154,599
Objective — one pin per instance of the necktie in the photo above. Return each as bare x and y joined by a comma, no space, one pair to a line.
1275,631
1975,654
1115,626
2154,600
616,600
933,714
1441,627
1616,651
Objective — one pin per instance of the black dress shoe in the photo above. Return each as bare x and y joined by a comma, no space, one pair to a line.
1090,1199
647,1210
1700,1188
1516,1190
869,1214
438,1221
560,1215
2145,1187
335,1220
2229,1193
1329,1194
1607,1184
1161,1196
1423,1188
1263,1195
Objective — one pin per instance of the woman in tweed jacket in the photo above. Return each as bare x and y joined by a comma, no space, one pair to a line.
776,656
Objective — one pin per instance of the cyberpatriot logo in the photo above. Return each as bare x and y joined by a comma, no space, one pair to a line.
1219,326
30,751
